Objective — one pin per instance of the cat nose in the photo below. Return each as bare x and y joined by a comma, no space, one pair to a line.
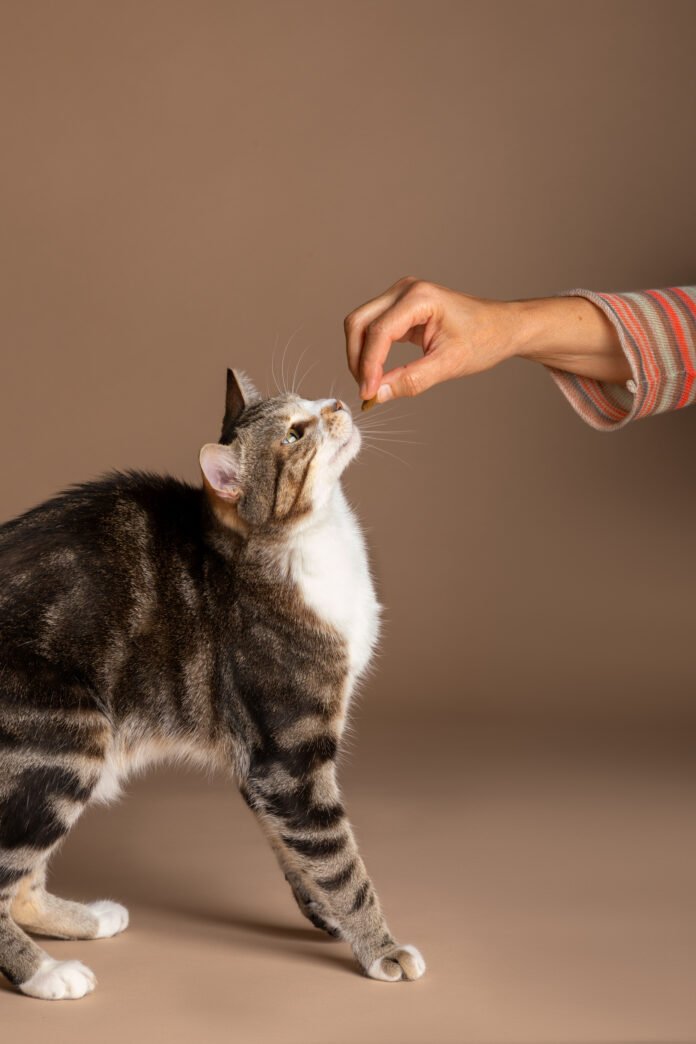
333,406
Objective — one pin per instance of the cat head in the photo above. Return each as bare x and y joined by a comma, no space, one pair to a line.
278,460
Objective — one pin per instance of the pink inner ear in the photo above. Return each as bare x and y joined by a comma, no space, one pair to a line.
221,471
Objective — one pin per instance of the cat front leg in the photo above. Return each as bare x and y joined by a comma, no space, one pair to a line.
303,816
308,902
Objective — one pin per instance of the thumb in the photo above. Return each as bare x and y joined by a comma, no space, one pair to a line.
410,380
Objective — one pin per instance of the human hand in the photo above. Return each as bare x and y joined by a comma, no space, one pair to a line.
462,335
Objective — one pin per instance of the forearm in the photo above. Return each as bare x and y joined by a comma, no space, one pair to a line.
570,334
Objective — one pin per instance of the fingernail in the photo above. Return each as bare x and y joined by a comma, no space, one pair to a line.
385,393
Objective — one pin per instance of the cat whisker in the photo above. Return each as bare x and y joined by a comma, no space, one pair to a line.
387,431
273,369
382,417
380,422
307,372
386,438
297,366
289,341
380,449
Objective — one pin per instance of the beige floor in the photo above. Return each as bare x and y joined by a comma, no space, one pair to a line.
547,877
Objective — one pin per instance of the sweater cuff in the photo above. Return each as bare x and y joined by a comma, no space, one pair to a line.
657,332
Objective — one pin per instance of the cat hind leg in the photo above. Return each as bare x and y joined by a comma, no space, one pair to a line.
25,964
40,912
39,802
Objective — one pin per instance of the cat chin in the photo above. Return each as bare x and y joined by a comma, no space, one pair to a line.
347,451
328,481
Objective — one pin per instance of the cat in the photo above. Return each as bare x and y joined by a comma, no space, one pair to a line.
143,617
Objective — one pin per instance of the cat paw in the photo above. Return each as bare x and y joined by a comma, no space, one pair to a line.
112,918
60,980
401,962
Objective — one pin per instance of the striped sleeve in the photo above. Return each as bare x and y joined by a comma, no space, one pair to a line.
657,331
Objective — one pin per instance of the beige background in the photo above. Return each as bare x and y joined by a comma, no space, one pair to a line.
186,186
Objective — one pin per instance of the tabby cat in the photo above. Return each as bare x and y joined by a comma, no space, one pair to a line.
141,617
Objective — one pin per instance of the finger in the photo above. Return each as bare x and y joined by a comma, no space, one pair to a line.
396,324
358,320
412,379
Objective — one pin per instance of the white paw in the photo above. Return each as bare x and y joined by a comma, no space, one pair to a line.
112,917
401,962
60,980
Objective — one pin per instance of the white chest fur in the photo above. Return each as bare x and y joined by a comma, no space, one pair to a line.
328,561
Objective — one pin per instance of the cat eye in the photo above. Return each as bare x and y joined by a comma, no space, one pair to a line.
294,435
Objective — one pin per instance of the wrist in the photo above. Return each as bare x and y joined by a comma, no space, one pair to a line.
571,334
542,328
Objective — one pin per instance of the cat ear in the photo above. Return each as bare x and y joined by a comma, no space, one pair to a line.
240,394
221,470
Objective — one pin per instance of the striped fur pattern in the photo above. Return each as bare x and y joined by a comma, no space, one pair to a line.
142,618
657,330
